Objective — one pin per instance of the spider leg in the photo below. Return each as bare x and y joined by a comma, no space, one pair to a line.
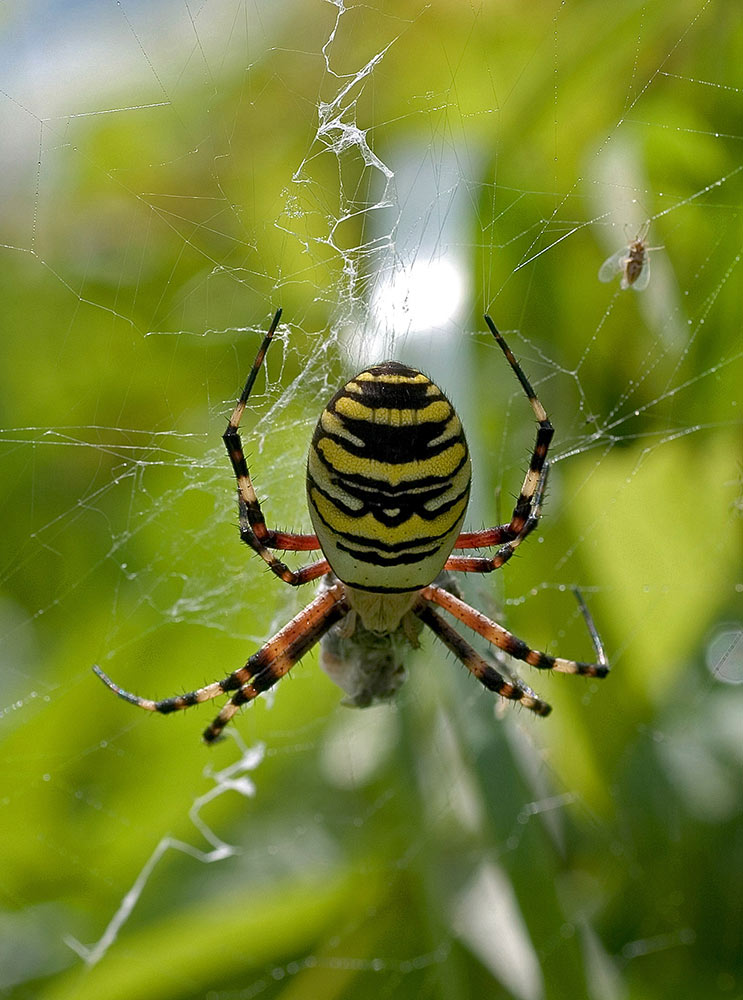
542,443
487,675
166,705
253,530
510,643
286,542
480,564
527,510
279,654
601,657
262,670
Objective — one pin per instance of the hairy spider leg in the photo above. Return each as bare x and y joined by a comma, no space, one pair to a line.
253,530
263,669
510,643
527,510
482,564
486,674
601,657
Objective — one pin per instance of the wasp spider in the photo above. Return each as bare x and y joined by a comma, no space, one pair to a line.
388,480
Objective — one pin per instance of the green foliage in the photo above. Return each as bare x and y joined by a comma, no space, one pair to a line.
375,841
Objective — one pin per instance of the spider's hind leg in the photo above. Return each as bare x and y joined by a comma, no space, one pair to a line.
545,432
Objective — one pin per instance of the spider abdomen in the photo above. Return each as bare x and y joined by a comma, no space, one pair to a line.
388,480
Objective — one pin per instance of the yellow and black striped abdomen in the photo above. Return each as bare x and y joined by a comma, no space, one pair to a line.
388,480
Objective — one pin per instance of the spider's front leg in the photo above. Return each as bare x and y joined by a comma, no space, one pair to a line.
511,644
513,689
279,654
264,668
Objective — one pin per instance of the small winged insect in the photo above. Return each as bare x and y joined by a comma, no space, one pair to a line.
631,262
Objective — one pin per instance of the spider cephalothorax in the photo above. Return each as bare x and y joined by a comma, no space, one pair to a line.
388,480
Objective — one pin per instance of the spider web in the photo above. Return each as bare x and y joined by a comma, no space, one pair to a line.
172,174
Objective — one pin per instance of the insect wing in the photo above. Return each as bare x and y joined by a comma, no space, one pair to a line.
613,265
642,279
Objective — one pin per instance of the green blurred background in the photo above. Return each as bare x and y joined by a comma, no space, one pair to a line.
170,176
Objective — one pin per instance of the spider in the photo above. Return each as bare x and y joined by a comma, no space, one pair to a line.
388,480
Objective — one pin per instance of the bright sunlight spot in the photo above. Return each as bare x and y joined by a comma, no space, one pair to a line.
421,297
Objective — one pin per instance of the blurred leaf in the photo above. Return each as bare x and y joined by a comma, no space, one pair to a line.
663,547
217,940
